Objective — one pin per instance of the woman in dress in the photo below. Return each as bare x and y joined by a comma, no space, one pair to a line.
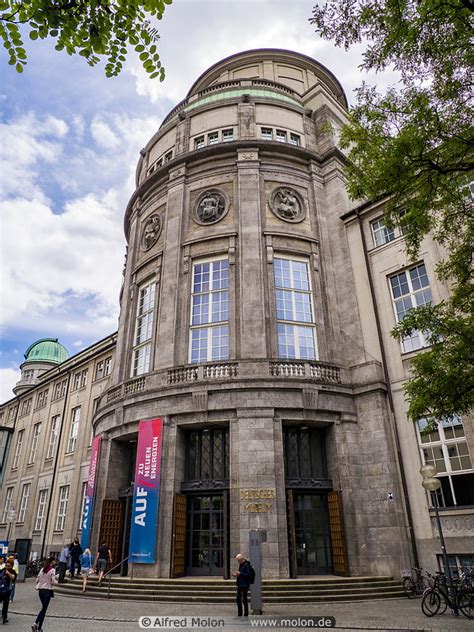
45,587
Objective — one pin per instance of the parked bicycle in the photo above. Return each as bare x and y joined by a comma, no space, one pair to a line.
33,568
459,597
417,582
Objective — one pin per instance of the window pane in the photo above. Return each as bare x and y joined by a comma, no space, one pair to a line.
399,285
199,345
220,343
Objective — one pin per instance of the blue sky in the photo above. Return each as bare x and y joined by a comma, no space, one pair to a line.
69,144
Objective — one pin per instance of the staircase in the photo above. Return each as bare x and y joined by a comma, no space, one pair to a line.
221,591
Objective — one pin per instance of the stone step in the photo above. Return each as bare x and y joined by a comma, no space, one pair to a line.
266,582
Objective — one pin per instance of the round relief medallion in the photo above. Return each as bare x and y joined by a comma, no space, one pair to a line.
287,204
151,232
210,207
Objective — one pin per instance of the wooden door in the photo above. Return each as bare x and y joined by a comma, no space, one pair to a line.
338,540
291,533
111,527
178,542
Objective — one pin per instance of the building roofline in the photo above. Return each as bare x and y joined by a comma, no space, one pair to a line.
273,53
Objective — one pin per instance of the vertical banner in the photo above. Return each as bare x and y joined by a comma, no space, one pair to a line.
86,522
146,493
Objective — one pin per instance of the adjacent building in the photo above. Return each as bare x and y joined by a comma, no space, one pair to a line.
256,310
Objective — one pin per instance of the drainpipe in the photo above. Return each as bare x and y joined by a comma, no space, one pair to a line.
389,396
55,467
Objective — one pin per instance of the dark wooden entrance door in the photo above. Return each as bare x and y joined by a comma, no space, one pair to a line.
312,539
205,535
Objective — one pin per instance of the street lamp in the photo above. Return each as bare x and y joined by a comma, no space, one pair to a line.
432,484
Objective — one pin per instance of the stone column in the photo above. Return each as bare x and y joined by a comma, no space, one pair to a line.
251,291
258,489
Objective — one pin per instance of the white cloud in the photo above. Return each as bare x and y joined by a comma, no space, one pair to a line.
8,378
103,135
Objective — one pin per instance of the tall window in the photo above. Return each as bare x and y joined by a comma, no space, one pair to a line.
446,448
41,399
43,495
53,436
8,503
380,233
410,289
34,443
25,496
143,330
207,455
26,406
295,326
210,311
62,507
305,453
18,449
59,389
74,431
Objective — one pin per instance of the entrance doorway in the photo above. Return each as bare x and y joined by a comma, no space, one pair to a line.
312,534
205,535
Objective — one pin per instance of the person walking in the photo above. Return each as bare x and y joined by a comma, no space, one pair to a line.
76,552
86,568
16,568
245,576
7,580
45,586
103,556
64,561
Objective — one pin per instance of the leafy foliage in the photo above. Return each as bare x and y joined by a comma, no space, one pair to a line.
413,147
94,29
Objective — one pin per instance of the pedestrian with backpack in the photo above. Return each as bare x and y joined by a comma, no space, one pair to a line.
45,586
7,581
245,577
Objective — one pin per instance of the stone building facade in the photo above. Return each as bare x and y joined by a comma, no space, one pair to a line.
255,315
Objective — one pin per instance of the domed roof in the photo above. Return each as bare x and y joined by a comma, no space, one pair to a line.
47,350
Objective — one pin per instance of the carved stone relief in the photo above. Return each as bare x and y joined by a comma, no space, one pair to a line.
211,206
151,232
287,204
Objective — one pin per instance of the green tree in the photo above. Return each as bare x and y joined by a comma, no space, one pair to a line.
96,29
413,147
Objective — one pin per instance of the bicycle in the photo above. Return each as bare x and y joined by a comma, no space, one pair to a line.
416,583
33,568
437,599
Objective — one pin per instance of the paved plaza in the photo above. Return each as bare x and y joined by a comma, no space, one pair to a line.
81,614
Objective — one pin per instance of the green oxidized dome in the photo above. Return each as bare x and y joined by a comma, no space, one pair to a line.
47,350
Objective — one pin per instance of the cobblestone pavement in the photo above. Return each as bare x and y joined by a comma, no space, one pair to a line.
81,614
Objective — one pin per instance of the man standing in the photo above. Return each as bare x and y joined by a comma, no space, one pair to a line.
7,580
244,578
76,552
103,556
63,563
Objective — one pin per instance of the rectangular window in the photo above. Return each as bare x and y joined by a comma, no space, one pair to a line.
295,139
18,449
266,133
199,142
281,136
25,496
168,156
227,135
380,233
107,366
99,370
210,311
213,138
34,443
84,378
8,504
43,495
53,436
207,455
59,390
62,507
12,413
305,453
76,384
445,446
410,289
83,502
41,399
74,431
294,302
26,406
143,330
